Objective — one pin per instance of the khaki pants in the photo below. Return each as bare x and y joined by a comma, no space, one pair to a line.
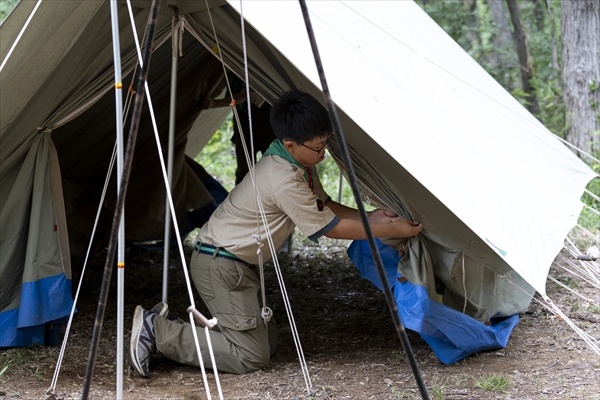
241,343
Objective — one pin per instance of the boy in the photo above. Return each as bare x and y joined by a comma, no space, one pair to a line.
226,249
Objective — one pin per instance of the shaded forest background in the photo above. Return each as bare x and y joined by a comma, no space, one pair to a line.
546,53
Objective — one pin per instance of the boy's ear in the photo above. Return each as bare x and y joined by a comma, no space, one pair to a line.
288,144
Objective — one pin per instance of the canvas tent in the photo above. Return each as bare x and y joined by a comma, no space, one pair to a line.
431,134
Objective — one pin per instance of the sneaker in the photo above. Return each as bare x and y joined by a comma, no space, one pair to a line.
162,309
143,340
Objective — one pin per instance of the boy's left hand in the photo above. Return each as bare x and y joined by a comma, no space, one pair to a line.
381,216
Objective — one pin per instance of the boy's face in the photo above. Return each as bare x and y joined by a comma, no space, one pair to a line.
309,153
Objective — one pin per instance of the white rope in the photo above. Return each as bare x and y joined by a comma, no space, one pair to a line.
171,207
61,354
589,233
581,272
588,268
593,195
127,107
200,360
553,308
14,45
592,343
591,209
266,311
286,301
212,359
571,289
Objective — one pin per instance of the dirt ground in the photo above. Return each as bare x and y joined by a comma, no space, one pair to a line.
349,341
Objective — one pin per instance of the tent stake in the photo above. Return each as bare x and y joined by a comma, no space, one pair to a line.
110,255
363,214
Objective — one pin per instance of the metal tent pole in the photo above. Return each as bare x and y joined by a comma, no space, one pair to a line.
117,216
170,149
114,18
363,214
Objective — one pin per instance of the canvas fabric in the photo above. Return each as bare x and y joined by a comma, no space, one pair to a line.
241,342
287,201
34,236
430,132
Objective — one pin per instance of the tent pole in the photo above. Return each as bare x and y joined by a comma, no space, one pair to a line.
172,106
363,214
114,17
117,216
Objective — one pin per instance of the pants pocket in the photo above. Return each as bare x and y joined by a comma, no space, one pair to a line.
237,322
242,288
200,269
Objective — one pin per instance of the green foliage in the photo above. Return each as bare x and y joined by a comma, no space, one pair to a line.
218,156
552,107
588,218
6,6
329,173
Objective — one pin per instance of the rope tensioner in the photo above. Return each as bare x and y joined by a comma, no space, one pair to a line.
198,316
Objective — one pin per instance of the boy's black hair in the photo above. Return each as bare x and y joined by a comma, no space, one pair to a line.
299,117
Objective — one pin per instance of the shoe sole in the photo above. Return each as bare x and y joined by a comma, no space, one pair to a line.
136,329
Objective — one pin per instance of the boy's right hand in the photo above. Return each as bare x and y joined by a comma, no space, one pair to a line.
406,228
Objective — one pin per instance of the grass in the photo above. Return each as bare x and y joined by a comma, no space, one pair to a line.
593,309
572,283
437,393
438,387
34,361
402,394
494,383
11,360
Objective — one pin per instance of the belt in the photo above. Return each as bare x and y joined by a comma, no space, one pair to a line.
216,251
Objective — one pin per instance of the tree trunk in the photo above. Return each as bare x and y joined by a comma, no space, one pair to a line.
524,58
502,59
580,22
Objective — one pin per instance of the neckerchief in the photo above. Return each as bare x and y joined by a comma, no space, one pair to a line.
276,148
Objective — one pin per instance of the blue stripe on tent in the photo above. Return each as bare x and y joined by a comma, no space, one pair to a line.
452,335
45,300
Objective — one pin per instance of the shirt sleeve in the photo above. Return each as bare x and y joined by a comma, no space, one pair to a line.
305,208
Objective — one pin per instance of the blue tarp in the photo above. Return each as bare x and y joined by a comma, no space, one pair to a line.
47,300
452,335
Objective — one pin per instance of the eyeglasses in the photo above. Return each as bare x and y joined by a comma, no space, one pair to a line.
318,151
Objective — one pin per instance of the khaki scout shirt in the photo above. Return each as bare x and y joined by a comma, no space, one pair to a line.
287,202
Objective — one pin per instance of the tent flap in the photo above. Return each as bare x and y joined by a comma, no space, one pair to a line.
451,334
